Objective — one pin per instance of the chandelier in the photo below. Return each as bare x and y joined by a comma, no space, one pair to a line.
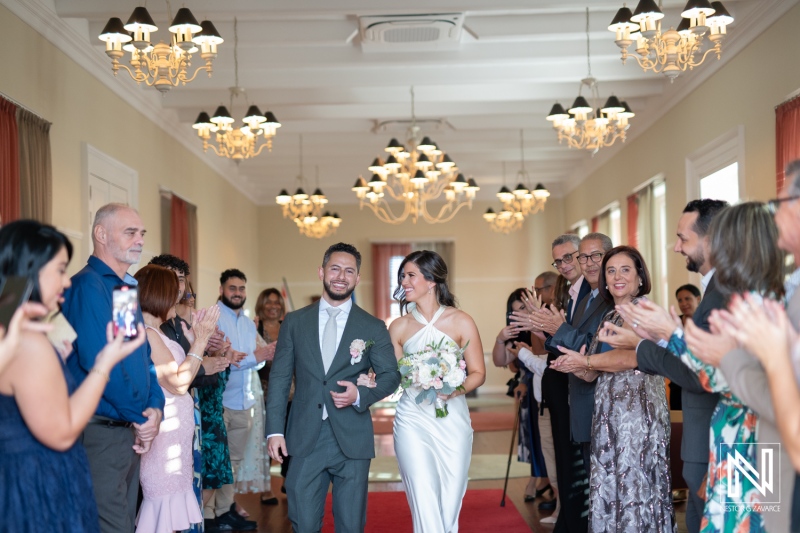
586,126
161,65
517,204
415,178
675,50
236,143
307,211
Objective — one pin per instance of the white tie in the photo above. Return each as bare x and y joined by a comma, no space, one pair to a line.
329,345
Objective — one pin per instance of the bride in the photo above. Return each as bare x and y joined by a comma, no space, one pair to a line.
433,453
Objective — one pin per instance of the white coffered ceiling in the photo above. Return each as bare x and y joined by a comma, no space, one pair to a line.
304,61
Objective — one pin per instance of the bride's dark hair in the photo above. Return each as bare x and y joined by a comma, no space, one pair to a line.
433,268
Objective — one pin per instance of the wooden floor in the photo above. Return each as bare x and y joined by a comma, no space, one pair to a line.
273,518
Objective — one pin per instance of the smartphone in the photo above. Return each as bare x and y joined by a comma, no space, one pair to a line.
14,291
125,306
522,336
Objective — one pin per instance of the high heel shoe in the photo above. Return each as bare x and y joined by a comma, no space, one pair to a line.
540,492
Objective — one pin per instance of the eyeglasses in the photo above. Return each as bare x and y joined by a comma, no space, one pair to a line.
189,296
542,288
596,257
566,259
774,204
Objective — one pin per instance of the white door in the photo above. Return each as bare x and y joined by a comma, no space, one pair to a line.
108,181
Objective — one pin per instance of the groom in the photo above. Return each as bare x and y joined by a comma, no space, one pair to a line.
329,431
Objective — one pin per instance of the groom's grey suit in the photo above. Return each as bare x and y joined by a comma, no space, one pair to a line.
339,449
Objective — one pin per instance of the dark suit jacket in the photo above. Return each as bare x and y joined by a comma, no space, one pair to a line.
698,404
298,353
581,332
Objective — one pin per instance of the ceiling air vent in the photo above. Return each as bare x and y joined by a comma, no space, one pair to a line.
403,33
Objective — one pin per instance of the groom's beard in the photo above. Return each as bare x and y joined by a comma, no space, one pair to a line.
234,305
337,296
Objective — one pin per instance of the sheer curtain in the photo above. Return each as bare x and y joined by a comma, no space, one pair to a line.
649,239
382,278
446,250
787,137
633,220
35,167
9,163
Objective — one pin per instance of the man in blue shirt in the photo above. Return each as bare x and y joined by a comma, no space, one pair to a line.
130,411
238,398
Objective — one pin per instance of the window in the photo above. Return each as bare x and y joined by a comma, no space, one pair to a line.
580,228
394,266
651,234
722,184
717,169
608,223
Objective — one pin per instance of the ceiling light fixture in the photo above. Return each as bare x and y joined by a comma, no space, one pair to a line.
675,50
415,178
237,143
161,65
307,211
520,203
587,126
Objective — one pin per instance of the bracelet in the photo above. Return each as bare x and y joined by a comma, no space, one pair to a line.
190,354
100,372
500,342
588,364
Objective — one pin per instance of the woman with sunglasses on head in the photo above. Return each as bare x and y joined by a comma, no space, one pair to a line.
46,483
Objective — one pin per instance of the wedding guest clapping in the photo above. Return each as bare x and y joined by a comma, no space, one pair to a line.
169,502
630,485
755,264
46,483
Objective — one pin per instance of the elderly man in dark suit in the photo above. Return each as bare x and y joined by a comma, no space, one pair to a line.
588,314
329,432
651,356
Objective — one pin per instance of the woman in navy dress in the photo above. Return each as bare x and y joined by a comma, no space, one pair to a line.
45,474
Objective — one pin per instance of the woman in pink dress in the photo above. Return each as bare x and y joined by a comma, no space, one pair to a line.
166,473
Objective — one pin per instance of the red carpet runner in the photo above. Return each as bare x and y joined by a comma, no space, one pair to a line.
388,512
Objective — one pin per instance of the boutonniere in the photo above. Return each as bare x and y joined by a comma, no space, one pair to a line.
357,349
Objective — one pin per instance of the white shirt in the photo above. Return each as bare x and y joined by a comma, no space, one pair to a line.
341,319
707,279
536,364
574,291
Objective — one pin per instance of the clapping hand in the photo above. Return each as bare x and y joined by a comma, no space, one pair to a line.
708,346
618,337
549,319
214,365
571,362
204,325
234,356
650,321
531,300
763,329
216,341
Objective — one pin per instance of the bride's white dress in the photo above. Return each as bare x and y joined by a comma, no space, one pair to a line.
433,453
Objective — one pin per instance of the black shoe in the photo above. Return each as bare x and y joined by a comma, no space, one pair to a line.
212,526
540,492
283,489
529,498
236,522
548,505
270,501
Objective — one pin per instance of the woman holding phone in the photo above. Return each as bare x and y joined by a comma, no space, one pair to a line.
46,484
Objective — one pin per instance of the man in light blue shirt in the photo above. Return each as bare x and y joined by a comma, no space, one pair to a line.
237,399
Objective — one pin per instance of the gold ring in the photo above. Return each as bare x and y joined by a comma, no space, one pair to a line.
541,325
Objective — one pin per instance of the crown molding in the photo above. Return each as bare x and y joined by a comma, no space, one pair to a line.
746,32
42,17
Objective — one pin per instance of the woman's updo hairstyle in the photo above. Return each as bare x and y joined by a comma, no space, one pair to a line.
433,268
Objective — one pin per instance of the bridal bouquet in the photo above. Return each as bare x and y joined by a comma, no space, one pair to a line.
438,369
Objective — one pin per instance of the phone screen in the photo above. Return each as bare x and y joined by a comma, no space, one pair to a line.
126,303
14,291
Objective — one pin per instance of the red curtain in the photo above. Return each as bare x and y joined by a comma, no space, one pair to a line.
633,219
381,282
595,224
787,138
179,229
9,163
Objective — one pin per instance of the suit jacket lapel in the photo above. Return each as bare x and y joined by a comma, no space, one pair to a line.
314,350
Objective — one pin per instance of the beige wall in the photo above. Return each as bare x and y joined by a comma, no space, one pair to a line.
83,110
742,93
